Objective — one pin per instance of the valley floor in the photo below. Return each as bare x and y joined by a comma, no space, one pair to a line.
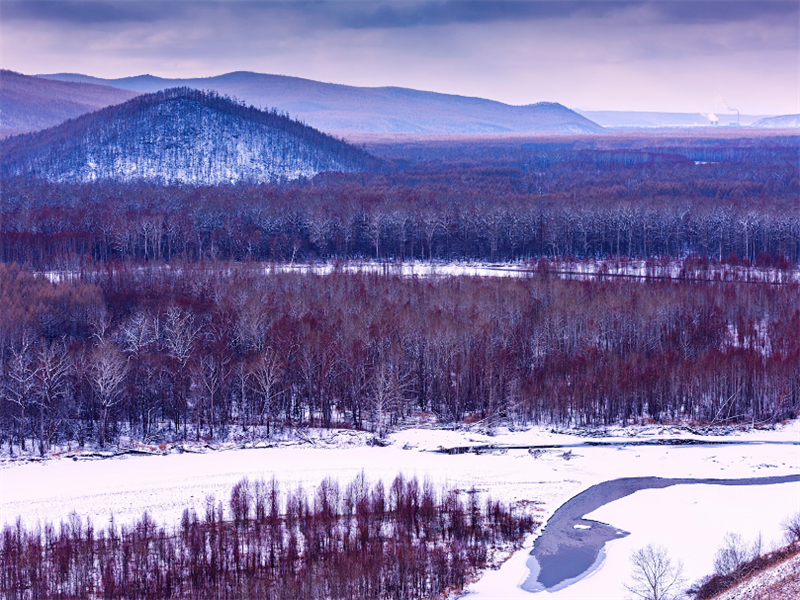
690,520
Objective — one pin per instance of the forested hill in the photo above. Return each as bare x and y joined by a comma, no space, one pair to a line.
179,135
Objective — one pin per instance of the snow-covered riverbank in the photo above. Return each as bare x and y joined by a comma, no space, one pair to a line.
165,485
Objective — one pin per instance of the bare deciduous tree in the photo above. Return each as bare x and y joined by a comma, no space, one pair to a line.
180,336
264,374
138,333
52,384
107,373
19,389
791,528
735,552
211,375
654,575
387,391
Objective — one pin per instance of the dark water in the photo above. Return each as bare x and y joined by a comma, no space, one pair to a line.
563,553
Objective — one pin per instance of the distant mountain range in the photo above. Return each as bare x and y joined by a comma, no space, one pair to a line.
782,122
342,108
31,104
179,136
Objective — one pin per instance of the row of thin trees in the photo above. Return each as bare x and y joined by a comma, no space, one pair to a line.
358,542
245,225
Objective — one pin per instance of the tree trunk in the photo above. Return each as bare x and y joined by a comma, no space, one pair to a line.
41,430
22,427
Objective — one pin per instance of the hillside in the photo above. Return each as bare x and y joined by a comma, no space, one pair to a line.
179,136
778,582
781,122
333,107
31,103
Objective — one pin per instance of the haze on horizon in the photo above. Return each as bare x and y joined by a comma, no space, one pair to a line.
666,55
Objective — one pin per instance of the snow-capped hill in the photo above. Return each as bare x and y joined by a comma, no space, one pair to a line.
781,122
179,135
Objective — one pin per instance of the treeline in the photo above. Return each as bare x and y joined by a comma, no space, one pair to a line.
712,148
219,351
363,541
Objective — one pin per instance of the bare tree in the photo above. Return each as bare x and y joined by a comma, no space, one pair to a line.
733,553
386,393
264,373
52,384
107,375
138,333
791,528
211,374
21,381
654,575
180,336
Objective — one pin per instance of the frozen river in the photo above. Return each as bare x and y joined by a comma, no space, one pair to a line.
570,544
689,519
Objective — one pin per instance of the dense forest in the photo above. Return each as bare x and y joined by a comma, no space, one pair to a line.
501,200
220,351
145,312
360,542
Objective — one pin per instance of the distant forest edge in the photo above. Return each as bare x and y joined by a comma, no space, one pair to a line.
218,353
182,136
726,198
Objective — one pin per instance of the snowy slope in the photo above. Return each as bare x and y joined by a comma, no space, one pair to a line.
781,122
780,582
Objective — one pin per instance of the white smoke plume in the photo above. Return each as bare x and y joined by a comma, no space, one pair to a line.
723,104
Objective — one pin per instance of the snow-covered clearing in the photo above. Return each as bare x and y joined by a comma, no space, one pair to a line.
567,268
689,519
588,269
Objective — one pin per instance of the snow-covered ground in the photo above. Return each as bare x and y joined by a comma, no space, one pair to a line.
567,269
572,269
690,520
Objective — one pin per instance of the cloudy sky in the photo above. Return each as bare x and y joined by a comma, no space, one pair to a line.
670,55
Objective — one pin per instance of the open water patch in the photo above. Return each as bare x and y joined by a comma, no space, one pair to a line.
571,547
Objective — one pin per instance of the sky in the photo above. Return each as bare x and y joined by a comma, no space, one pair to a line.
667,55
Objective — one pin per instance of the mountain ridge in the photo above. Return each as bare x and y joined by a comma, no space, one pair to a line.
390,109
31,104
